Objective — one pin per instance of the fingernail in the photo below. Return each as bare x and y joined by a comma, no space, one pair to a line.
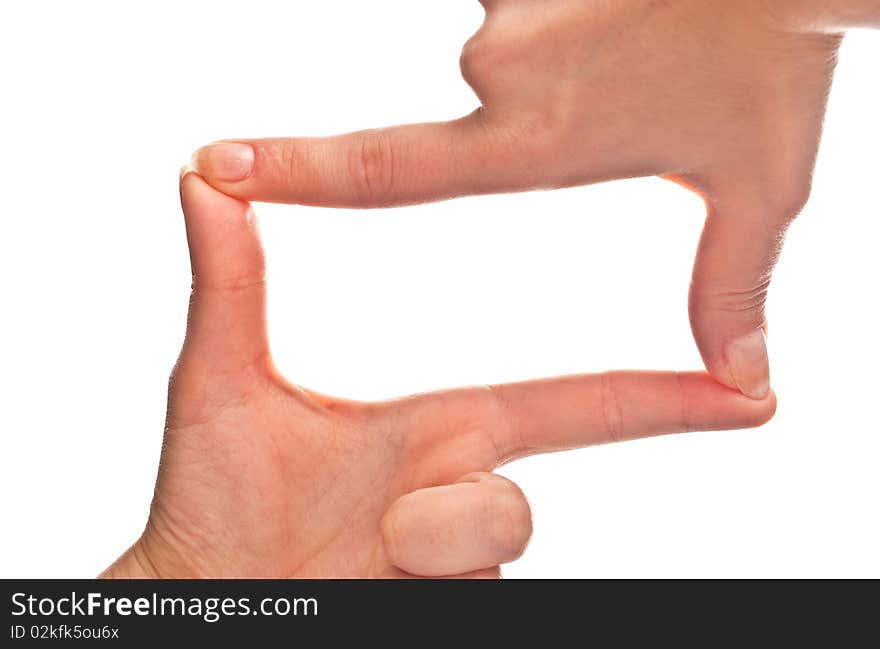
225,161
748,364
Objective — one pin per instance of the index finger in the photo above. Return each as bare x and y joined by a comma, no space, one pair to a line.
574,411
399,165
479,428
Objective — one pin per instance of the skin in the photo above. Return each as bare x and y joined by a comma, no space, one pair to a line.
263,478
724,98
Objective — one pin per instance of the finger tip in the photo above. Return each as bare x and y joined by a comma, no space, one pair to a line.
185,170
186,180
225,161
757,391
756,411
767,407
735,409
196,191
747,363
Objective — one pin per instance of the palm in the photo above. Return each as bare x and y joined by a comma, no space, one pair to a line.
280,457
261,478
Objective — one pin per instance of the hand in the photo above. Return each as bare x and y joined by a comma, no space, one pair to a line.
724,98
262,478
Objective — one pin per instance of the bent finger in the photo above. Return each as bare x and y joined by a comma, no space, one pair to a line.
475,524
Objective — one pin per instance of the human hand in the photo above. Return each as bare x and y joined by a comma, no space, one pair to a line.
724,98
262,478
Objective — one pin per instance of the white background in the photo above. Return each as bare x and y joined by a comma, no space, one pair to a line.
101,104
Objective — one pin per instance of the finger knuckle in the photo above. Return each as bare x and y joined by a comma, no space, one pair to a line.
612,413
749,302
795,197
685,416
786,189
482,56
499,430
283,160
371,167
471,60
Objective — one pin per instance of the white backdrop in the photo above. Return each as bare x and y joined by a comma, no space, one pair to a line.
102,103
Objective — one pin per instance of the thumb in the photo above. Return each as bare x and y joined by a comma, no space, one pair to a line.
738,249
226,329
378,168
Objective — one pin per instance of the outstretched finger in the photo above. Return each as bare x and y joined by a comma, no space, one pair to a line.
491,425
227,319
400,165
